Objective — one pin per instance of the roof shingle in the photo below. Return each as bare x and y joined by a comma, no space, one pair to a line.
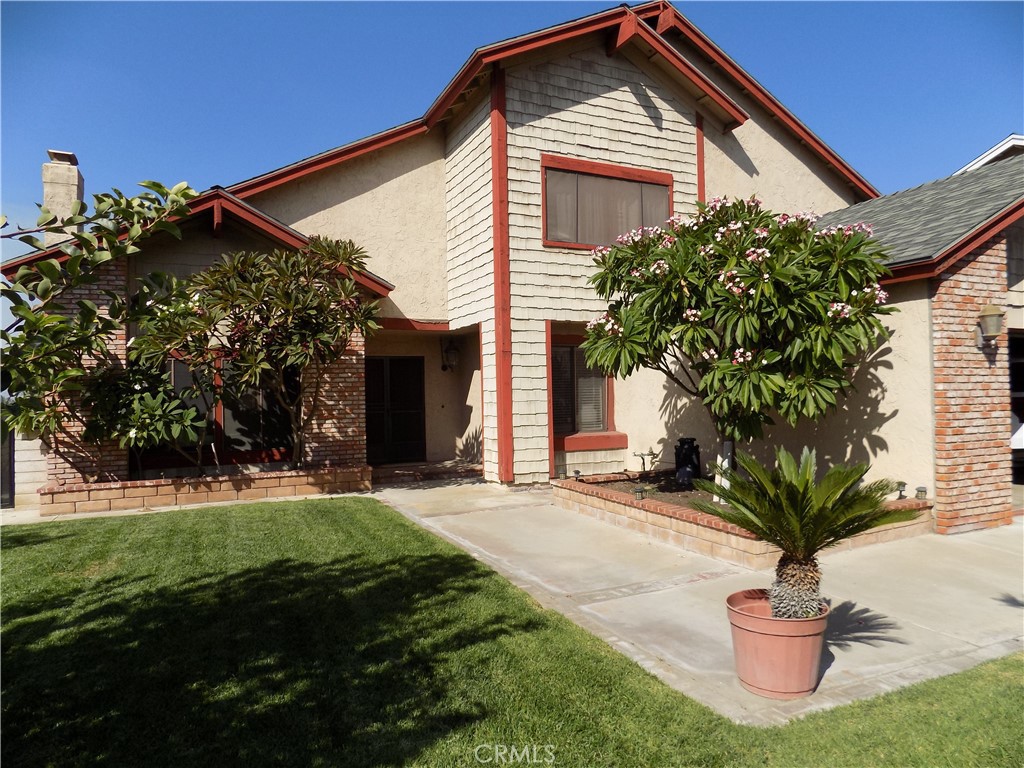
922,223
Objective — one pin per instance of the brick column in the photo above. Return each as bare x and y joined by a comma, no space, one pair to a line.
337,436
972,396
70,459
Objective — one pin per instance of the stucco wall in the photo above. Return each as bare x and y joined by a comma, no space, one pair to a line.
452,398
886,421
762,158
392,203
586,105
197,249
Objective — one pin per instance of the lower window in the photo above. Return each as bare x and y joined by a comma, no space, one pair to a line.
578,393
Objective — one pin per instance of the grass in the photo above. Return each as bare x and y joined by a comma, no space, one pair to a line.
334,632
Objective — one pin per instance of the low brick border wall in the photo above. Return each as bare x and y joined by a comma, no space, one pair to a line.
701,533
154,494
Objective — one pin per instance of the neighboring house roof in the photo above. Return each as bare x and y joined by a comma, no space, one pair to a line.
928,228
220,202
623,25
1011,145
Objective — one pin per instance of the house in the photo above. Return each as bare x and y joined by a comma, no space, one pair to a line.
479,218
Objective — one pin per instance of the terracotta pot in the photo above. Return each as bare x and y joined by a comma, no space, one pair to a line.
775,658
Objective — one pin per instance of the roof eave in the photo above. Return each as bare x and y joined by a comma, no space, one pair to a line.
946,258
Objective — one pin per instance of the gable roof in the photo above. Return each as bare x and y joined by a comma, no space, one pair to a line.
930,227
645,26
220,202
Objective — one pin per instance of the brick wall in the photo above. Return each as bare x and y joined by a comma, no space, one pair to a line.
155,494
972,396
337,436
70,459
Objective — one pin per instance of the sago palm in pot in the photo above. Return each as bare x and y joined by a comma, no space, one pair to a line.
801,516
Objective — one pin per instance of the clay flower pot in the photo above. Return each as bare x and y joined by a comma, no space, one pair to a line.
775,658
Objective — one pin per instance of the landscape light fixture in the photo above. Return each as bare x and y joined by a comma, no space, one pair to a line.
576,474
639,493
922,492
901,487
990,325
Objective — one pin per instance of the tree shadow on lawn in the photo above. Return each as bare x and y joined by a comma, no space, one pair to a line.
348,662
26,536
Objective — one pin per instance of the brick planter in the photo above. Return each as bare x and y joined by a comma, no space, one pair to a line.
154,494
705,534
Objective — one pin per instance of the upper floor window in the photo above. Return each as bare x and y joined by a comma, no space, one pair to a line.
587,204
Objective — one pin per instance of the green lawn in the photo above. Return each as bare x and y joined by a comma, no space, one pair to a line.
334,632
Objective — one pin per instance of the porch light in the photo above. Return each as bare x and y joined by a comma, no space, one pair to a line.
922,492
990,325
449,355
901,487
639,492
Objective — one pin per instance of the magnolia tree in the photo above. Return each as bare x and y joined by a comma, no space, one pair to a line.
269,322
57,346
751,312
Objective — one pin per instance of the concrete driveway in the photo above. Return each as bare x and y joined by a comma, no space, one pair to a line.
902,611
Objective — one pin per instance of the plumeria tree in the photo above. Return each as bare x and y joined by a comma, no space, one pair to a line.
270,322
57,345
751,312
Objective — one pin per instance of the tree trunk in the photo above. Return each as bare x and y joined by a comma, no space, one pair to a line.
796,592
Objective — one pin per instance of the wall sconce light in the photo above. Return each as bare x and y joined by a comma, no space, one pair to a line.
449,354
922,492
639,492
901,487
990,325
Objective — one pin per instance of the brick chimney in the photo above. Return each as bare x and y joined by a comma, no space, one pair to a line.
62,186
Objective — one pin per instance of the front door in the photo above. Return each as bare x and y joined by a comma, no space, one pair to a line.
395,410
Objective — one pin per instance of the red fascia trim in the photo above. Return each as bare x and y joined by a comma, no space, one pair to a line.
936,266
592,168
628,29
548,342
619,16
494,54
405,324
694,75
663,12
329,159
502,284
701,192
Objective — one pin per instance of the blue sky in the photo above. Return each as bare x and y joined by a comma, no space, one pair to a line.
214,93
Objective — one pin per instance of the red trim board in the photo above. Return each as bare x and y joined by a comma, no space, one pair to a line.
502,285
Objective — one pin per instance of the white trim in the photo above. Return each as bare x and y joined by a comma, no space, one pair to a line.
1013,141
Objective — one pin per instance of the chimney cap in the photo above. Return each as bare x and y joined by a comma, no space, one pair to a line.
60,156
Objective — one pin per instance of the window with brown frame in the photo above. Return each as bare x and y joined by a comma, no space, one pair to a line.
589,204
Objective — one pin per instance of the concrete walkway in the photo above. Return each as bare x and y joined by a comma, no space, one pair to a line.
902,612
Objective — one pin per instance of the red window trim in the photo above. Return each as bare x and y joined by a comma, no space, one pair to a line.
593,168
607,440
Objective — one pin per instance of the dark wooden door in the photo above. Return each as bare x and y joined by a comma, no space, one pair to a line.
395,410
